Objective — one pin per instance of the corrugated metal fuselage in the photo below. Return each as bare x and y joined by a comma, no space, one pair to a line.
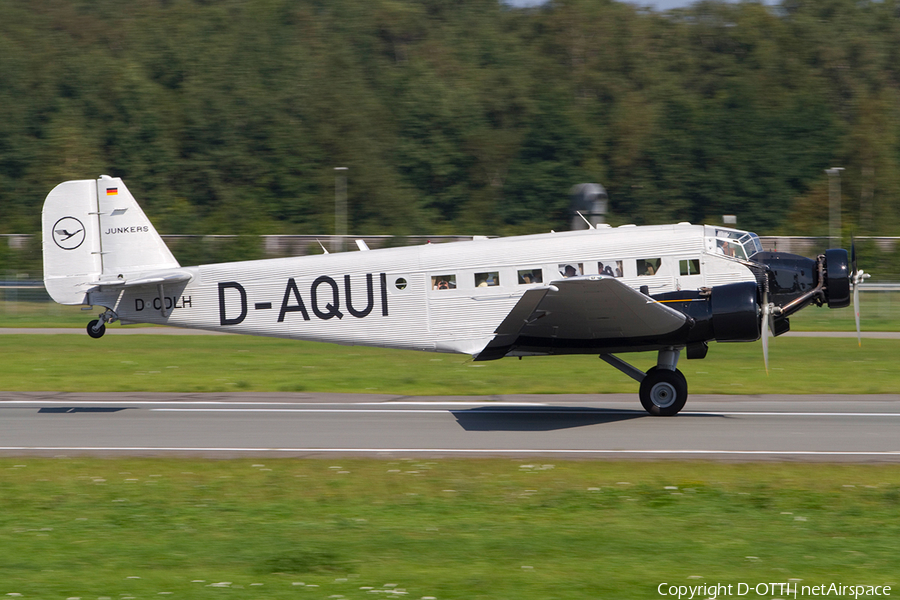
438,297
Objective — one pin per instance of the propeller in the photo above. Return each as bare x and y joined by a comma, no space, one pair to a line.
768,322
857,276
766,314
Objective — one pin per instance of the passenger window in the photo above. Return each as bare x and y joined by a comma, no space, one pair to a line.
610,268
648,266
528,276
443,282
689,267
487,279
571,269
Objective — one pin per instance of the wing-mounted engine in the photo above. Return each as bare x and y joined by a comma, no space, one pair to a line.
734,312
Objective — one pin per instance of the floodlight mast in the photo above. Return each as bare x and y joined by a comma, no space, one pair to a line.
340,208
834,206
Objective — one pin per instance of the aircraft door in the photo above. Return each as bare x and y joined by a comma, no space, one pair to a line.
688,275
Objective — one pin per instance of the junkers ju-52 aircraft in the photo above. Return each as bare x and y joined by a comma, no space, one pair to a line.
669,289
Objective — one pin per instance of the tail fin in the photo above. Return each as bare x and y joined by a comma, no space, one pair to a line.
95,231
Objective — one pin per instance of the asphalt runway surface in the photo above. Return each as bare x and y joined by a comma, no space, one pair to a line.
830,428
834,428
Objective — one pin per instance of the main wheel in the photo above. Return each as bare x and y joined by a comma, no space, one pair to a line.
99,331
663,392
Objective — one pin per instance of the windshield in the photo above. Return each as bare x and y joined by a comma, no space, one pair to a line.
731,242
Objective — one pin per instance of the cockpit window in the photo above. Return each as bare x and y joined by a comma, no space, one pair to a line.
730,248
751,244
740,244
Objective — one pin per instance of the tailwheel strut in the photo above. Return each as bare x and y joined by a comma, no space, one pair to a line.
97,327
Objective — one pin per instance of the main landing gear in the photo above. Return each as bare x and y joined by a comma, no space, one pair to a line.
664,389
97,327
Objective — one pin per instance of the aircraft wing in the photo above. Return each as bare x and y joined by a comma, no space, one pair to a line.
587,312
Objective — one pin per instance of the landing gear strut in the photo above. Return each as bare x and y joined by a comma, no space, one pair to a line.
664,389
97,327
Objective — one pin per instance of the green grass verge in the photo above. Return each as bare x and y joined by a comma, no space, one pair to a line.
443,529
78,363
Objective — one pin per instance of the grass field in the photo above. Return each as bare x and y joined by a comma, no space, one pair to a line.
241,363
128,529
445,529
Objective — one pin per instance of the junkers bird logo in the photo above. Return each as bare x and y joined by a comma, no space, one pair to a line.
68,233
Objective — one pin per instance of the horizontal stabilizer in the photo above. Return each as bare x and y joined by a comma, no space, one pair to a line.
175,276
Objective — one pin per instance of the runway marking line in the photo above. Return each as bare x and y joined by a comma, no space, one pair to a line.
886,453
583,411
432,407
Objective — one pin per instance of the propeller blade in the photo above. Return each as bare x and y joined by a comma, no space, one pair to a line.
766,315
857,276
856,312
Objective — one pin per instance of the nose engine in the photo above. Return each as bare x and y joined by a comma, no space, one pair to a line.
795,282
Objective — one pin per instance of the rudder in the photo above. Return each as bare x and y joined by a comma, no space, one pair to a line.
95,231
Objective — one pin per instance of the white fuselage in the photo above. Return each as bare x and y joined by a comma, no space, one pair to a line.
438,297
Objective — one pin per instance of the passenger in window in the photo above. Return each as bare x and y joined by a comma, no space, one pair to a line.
618,268
569,271
605,269
647,266
490,279
443,282
529,276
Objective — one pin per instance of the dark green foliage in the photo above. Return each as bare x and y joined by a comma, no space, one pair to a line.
229,117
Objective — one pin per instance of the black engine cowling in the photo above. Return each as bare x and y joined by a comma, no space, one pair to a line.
837,278
735,312
790,276
796,281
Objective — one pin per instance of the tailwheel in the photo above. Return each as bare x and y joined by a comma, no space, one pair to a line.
663,392
96,329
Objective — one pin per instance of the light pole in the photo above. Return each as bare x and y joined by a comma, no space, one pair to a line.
340,208
834,205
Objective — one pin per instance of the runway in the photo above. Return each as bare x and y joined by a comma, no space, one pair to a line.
712,427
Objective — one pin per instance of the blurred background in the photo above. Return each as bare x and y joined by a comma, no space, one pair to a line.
229,117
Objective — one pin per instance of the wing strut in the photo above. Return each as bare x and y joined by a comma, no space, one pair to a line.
623,366
162,301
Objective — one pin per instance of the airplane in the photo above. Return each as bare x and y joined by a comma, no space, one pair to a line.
669,289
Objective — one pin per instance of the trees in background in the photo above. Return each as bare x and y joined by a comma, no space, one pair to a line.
229,117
